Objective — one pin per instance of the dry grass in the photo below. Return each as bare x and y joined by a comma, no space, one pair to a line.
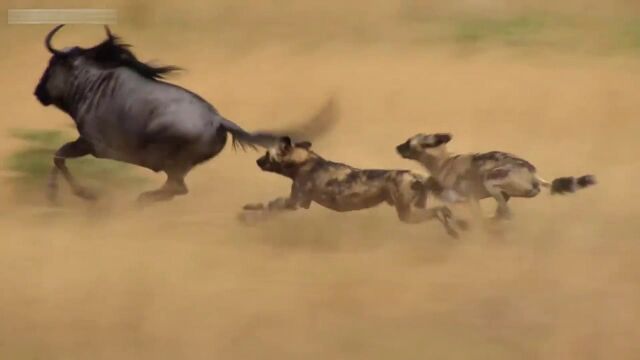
185,280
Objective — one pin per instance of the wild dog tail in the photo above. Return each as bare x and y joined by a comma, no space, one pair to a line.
569,184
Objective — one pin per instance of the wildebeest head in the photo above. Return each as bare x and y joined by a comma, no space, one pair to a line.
286,157
416,147
65,64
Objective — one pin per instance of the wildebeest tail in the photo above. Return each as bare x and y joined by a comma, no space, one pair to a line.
315,126
571,184
242,138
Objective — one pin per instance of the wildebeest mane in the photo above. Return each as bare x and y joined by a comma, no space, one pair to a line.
113,53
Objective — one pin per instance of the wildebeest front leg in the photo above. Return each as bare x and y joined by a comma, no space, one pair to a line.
74,149
172,187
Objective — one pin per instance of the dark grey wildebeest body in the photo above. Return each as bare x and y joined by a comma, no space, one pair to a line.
124,112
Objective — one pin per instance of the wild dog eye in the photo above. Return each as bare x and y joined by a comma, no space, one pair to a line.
285,143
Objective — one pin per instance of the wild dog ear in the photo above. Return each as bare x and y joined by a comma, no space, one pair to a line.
304,144
435,140
443,138
285,143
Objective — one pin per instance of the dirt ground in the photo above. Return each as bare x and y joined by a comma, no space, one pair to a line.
185,280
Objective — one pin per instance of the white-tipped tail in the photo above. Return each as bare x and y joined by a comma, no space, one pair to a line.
570,184
543,182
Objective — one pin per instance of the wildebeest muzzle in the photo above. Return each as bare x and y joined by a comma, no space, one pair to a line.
41,92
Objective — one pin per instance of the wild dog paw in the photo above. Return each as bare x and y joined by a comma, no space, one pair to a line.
462,224
253,207
446,217
252,217
502,214
445,213
452,232
245,217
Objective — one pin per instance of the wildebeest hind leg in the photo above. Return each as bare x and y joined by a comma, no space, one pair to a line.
172,187
74,149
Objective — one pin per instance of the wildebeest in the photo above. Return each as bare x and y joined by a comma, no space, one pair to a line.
342,188
471,177
125,112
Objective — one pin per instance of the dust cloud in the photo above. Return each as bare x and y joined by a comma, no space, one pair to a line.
185,280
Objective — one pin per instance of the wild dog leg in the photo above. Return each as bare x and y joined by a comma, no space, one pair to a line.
476,209
502,211
278,204
413,215
260,211
492,183
410,201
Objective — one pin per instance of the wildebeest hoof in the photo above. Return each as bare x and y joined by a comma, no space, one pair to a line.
144,199
150,197
52,197
85,194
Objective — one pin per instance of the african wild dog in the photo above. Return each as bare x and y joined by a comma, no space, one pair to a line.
471,177
342,188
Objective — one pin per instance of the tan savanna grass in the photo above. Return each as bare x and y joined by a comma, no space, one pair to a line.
185,280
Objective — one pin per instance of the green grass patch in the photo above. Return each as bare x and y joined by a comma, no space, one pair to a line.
630,34
30,165
521,30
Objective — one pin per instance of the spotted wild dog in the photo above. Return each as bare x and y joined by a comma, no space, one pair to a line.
342,188
471,177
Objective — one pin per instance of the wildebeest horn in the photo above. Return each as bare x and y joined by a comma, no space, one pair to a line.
47,40
109,34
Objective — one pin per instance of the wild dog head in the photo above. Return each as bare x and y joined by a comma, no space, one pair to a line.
422,146
286,158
